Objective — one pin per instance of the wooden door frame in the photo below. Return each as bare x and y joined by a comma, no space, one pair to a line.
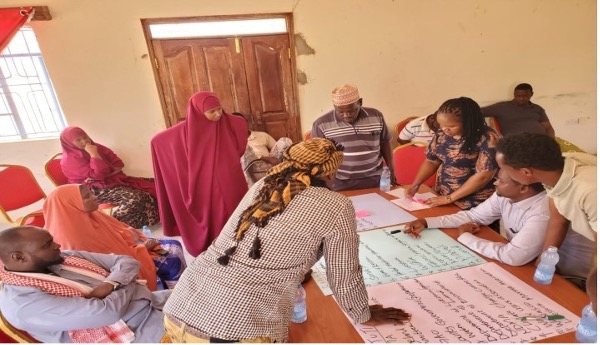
154,62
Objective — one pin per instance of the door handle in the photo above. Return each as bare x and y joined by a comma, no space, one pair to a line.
258,117
237,45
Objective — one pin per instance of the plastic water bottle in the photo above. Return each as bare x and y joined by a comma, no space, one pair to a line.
385,182
146,231
299,315
587,327
545,269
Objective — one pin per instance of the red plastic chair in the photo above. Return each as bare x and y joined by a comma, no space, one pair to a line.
56,175
54,170
19,189
407,160
400,126
10,334
492,122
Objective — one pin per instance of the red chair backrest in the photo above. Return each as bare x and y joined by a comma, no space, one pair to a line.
492,122
10,334
18,187
54,171
403,124
407,160
35,219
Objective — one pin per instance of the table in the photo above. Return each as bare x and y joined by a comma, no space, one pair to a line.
327,323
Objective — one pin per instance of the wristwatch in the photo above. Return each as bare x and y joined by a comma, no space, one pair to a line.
115,285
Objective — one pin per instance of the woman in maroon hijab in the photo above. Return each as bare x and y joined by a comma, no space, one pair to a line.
100,169
199,178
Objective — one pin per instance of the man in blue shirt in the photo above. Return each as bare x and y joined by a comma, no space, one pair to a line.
72,296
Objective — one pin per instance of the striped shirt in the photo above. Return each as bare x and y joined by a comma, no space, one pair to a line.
252,298
362,141
417,130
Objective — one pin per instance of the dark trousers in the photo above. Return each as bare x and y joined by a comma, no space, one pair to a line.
356,183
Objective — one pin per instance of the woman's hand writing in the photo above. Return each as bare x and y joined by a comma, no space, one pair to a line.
412,190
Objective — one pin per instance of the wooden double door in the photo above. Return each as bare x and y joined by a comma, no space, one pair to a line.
251,75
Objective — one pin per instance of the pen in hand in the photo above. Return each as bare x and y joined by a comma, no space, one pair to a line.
420,201
407,229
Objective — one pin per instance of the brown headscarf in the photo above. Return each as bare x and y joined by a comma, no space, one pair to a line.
302,162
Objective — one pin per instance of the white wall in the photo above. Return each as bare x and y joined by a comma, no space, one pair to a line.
407,57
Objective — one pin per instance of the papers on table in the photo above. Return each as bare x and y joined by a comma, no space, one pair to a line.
387,257
398,192
409,205
417,203
374,211
480,304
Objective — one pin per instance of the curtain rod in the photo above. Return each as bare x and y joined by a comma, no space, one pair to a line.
39,12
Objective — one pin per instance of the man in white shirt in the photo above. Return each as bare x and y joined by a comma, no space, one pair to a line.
570,180
419,130
262,152
525,213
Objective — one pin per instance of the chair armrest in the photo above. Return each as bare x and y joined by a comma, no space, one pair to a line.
106,207
15,333
34,219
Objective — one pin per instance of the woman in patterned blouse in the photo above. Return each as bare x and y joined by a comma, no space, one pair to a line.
464,148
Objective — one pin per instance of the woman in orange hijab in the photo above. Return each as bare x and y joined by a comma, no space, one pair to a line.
72,217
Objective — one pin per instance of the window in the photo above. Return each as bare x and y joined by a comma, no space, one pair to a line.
28,105
219,28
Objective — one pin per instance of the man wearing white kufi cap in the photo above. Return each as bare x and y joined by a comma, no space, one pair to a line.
363,133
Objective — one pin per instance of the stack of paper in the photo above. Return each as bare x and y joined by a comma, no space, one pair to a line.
374,211
411,204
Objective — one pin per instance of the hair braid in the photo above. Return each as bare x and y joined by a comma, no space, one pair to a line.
469,112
